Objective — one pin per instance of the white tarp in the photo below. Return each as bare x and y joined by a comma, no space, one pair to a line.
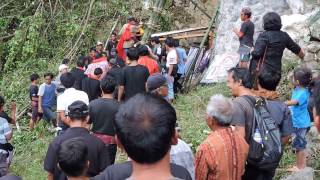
217,71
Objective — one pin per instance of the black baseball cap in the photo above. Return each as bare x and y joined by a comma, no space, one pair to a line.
78,109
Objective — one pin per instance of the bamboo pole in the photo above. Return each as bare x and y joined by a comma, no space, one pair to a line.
189,73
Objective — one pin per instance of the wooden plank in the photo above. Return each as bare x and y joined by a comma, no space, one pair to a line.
185,36
178,31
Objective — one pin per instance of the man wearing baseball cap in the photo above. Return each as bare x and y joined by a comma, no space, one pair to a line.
157,84
78,116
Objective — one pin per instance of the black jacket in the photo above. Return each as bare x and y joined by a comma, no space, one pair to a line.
274,43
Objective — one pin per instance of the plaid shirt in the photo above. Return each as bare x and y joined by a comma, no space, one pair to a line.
4,130
181,154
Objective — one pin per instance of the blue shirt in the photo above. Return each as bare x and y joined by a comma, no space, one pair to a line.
300,113
48,93
182,60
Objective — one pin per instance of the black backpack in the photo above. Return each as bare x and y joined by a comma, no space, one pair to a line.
267,153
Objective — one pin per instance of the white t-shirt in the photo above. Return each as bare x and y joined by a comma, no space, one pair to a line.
172,58
69,96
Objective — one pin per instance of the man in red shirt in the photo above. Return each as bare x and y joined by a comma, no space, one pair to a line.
146,61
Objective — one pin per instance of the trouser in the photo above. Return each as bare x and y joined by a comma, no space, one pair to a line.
251,172
112,151
3,164
176,85
49,115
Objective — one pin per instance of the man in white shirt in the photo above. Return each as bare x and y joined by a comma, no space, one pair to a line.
69,96
171,66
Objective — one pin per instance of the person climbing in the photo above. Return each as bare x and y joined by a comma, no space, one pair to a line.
269,47
126,37
245,35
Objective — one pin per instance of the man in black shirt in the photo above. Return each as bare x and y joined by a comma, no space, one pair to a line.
73,159
33,94
145,129
91,85
78,118
245,37
115,70
134,76
78,73
102,115
112,44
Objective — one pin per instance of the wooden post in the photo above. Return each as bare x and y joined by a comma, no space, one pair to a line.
154,18
189,72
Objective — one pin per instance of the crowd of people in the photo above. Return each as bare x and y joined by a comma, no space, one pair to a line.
120,98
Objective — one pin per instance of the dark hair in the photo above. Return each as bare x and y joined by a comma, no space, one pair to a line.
2,101
143,50
303,75
80,61
316,95
155,39
67,80
176,42
272,22
73,157
131,18
104,53
269,79
145,125
97,71
34,77
169,41
93,49
242,74
246,11
65,61
108,84
133,54
48,74
114,33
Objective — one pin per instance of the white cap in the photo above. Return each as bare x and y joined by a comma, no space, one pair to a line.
99,43
62,67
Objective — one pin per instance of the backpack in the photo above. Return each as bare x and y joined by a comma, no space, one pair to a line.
265,148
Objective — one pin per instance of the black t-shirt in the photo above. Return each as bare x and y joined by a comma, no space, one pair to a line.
247,28
4,115
33,91
97,154
111,45
79,75
124,170
115,72
102,115
91,87
134,80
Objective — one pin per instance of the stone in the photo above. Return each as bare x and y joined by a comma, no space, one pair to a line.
305,174
315,30
314,47
309,57
313,65
297,6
